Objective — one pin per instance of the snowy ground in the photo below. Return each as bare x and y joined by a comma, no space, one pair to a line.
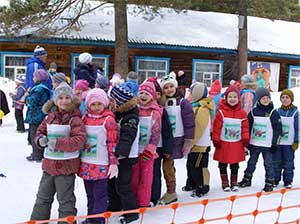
18,189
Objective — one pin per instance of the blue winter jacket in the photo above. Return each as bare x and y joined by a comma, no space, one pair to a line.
264,111
39,95
289,113
33,64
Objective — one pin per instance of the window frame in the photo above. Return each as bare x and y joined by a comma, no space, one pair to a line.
103,56
4,54
137,59
292,67
208,61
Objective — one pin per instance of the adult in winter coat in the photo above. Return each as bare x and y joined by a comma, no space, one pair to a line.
230,136
38,95
86,70
4,109
62,134
37,61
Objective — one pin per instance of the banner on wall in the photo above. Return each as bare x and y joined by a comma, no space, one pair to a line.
266,74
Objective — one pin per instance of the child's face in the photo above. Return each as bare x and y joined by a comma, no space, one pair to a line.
78,92
144,98
265,100
169,90
232,98
285,100
97,107
54,84
64,101
158,96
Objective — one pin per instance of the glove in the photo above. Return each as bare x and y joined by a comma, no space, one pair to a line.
295,146
273,149
113,171
147,155
217,144
43,140
245,144
51,143
187,146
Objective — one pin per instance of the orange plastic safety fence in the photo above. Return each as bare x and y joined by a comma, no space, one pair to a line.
204,203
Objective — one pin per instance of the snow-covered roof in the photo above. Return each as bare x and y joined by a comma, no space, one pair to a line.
192,29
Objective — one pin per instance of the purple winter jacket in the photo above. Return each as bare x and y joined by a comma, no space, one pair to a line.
188,120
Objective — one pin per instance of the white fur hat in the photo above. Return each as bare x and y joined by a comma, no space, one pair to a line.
171,78
85,58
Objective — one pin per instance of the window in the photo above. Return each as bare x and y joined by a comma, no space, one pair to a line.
147,67
14,64
294,76
207,71
99,60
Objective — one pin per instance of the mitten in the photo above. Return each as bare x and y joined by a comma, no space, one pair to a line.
43,140
147,155
295,145
113,171
51,143
216,144
187,146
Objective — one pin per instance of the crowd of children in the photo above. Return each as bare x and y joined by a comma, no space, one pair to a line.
117,135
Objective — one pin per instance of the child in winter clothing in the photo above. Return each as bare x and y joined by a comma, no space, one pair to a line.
132,79
181,116
102,82
248,96
62,134
4,109
18,102
265,130
39,94
121,197
98,162
81,89
197,161
164,147
150,127
215,92
283,158
230,136
58,78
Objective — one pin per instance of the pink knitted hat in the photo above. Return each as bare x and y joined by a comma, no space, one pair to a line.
96,95
82,85
149,88
41,75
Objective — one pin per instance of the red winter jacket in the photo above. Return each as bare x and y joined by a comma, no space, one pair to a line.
89,171
230,152
68,144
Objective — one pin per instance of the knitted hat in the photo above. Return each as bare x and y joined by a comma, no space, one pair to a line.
121,94
180,73
149,88
85,58
132,76
155,82
39,51
289,93
261,92
96,95
41,75
215,88
171,78
21,79
133,85
247,78
232,88
62,88
59,77
53,65
102,82
199,91
82,84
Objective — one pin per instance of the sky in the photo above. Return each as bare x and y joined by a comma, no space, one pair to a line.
18,190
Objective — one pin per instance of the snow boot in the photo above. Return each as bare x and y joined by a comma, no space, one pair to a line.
233,182
246,182
128,218
288,185
187,188
167,198
225,183
268,186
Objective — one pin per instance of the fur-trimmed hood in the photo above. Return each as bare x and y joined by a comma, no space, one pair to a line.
50,106
250,85
126,106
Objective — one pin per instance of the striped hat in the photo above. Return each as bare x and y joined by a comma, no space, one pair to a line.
121,94
59,77
39,51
